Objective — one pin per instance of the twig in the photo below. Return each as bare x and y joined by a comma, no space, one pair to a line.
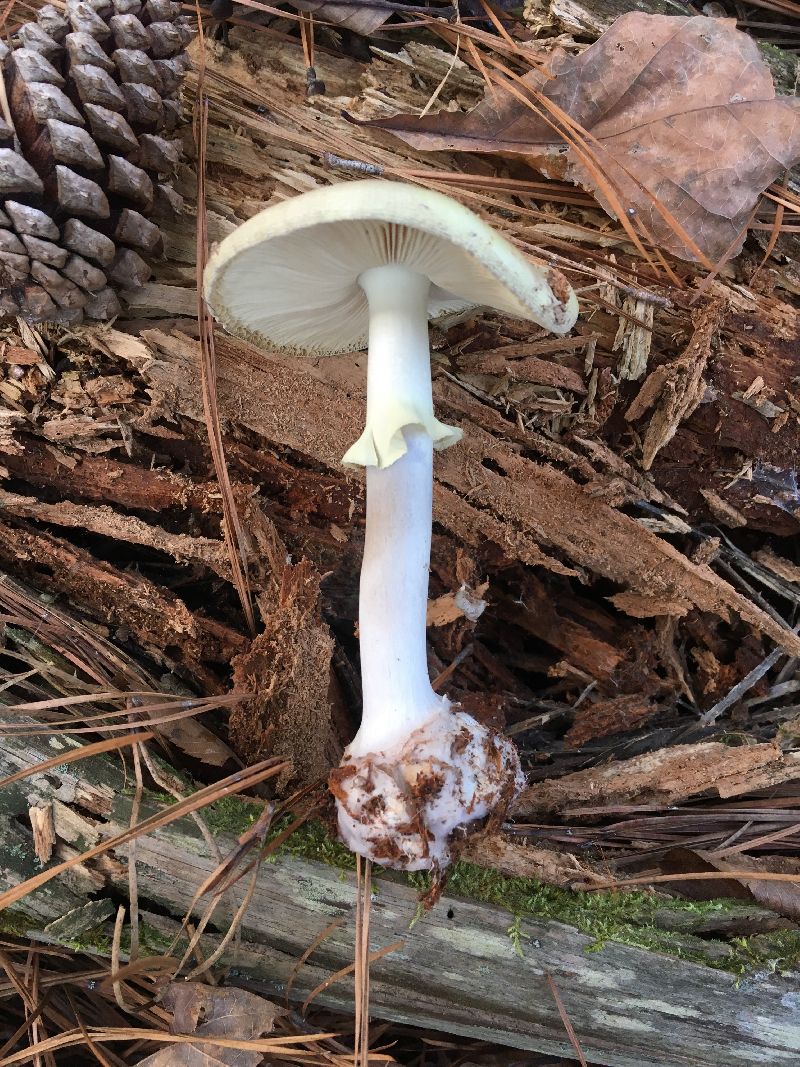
352,166
562,1011
737,692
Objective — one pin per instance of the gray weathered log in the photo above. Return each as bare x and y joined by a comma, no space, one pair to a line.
456,970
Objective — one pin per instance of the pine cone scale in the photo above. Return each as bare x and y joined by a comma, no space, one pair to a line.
92,94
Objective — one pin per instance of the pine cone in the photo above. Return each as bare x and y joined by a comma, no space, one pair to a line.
93,98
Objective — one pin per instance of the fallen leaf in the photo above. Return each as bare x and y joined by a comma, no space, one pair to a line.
681,110
361,17
208,1012
780,897
191,737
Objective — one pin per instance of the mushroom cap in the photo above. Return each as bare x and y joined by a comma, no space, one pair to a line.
288,277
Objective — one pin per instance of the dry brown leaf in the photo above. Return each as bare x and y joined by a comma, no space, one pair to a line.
361,17
681,110
191,737
209,1012
781,897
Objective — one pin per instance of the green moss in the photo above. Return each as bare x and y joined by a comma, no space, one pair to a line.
636,919
15,923
784,67
96,941
152,940
629,918
231,815
312,841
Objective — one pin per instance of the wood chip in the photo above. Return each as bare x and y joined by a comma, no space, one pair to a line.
676,388
667,776
44,834
722,511
790,572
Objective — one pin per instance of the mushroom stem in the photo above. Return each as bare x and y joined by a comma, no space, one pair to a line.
394,576
399,367
393,600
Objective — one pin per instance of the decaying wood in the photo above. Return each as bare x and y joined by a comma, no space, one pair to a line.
455,969
287,669
121,599
309,411
664,777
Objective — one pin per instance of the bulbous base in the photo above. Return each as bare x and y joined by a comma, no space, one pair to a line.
407,806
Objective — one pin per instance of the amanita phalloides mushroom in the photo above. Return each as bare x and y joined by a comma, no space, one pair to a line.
328,272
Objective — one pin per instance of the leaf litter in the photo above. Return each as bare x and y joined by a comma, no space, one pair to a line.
681,116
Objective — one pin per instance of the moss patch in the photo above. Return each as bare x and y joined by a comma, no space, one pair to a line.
784,67
628,918
635,919
16,923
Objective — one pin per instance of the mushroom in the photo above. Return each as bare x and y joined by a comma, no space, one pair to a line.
328,272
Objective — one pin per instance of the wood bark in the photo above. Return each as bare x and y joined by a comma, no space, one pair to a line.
456,969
